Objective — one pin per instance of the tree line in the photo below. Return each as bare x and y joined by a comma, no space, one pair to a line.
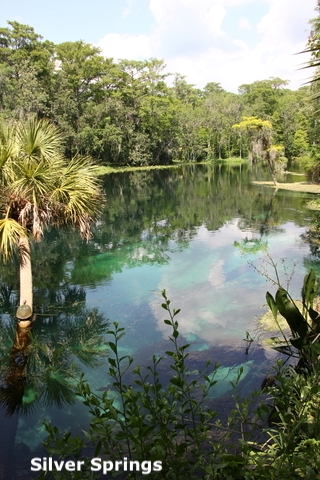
126,113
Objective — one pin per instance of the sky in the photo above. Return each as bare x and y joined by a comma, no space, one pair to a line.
231,42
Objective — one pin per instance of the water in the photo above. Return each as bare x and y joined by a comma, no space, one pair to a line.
200,232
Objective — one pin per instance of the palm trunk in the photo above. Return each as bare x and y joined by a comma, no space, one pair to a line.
26,295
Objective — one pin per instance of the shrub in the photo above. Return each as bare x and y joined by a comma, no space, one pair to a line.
149,421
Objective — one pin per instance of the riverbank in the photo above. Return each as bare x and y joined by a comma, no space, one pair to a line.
105,170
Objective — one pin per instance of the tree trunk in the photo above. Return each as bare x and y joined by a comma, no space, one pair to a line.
26,295
270,164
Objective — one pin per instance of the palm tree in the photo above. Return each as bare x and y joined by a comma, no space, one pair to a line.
40,188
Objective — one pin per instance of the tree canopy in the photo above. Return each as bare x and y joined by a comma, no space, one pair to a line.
127,113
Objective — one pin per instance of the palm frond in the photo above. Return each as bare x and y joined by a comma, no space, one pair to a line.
78,194
8,144
58,388
33,179
40,138
10,233
41,186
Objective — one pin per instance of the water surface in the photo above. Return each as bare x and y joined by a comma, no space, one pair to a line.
202,233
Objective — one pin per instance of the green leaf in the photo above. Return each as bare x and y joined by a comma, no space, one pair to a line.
298,343
272,305
97,449
169,353
314,315
10,234
175,334
308,289
295,320
112,362
113,347
176,381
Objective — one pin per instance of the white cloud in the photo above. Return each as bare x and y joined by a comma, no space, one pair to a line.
193,38
128,8
215,17
131,47
244,23
286,22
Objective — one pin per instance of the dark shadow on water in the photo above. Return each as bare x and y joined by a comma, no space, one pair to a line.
40,369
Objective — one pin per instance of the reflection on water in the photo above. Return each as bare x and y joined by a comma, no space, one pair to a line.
199,232
39,369
219,291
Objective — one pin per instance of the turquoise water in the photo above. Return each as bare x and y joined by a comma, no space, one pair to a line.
202,234
213,281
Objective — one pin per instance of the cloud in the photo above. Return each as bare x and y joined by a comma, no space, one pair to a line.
286,22
131,47
128,8
215,17
209,41
244,23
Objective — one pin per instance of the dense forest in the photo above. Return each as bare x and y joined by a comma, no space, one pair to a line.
126,113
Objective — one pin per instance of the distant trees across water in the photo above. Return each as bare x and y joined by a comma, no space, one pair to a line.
125,113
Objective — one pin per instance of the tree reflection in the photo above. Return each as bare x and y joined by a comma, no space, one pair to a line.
44,359
41,363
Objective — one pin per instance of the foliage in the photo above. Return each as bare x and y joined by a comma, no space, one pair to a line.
305,325
39,187
306,162
291,448
125,113
276,158
147,419
257,135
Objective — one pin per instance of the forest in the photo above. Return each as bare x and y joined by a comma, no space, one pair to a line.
125,112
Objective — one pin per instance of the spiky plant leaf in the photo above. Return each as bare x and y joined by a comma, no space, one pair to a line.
40,138
10,233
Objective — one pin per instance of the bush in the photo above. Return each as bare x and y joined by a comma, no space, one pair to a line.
150,421
305,162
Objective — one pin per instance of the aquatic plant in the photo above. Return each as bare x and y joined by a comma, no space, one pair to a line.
305,325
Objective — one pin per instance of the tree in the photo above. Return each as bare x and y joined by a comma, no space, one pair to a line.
26,67
259,135
39,189
300,143
82,81
262,97
294,113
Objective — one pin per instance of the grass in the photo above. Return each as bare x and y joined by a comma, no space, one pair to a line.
235,160
304,187
105,169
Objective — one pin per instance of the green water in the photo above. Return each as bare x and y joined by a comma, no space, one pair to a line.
201,233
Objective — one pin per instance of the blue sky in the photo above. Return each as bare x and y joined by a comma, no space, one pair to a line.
227,41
